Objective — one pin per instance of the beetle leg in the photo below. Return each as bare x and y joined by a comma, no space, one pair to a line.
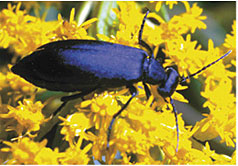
78,95
147,90
133,92
167,89
65,99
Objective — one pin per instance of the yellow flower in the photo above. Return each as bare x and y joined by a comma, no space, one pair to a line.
74,125
145,125
129,26
143,128
74,155
19,85
185,53
230,41
218,122
220,159
102,108
19,29
26,33
70,30
218,72
27,114
189,58
26,151
99,111
170,3
222,118
176,26
219,96
99,144
191,19
194,157
47,156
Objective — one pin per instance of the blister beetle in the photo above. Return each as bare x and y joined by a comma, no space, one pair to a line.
87,65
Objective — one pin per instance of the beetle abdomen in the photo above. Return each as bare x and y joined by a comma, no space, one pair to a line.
82,64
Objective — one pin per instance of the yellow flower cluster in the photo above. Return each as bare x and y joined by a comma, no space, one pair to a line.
28,115
16,27
145,132
26,151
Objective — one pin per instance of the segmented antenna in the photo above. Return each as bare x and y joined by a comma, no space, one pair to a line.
183,80
141,42
205,67
142,25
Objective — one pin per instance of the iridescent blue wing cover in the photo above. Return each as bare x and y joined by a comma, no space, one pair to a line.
75,65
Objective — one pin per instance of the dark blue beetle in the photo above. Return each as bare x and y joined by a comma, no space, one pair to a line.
87,65
84,65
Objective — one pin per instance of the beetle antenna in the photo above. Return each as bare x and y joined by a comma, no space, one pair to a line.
140,41
142,26
205,67
176,121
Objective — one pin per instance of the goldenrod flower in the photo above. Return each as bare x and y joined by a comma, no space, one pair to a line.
191,20
230,41
222,118
99,144
184,53
19,85
26,33
27,114
145,132
219,158
26,151
70,30
102,108
129,26
74,155
170,3
20,30
74,126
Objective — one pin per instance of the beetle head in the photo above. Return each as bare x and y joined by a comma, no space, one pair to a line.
167,88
